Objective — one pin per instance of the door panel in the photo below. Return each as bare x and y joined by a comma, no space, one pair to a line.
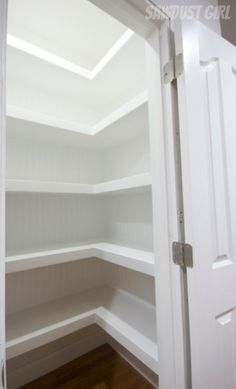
207,109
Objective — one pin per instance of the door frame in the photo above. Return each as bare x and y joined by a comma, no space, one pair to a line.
3,28
166,189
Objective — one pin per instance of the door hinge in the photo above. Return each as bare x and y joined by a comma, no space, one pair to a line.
173,68
182,254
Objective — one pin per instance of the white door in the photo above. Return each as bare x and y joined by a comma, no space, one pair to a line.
207,110
3,20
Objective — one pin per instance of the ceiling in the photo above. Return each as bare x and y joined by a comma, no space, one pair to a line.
38,86
77,31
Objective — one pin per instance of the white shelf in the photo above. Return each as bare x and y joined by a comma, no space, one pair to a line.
47,187
131,183
83,129
127,184
46,120
138,260
123,316
127,124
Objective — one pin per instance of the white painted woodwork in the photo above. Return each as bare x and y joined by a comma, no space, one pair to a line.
107,121
123,110
139,260
130,125
48,187
39,325
3,27
130,184
140,182
207,93
165,213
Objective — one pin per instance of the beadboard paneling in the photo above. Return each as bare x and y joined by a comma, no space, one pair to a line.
33,160
28,288
129,220
127,159
42,221
138,284
38,221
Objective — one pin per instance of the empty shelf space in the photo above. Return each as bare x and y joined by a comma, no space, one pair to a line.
123,316
139,260
130,184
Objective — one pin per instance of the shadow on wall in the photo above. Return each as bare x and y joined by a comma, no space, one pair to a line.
228,26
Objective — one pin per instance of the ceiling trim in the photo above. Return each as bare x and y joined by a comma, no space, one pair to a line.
47,56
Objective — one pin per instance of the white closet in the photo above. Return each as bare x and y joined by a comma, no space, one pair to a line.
101,180
79,235
104,178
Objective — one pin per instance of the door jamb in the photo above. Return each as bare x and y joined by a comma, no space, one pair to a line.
171,103
3,29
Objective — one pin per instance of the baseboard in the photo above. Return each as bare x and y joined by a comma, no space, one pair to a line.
30,366
133,361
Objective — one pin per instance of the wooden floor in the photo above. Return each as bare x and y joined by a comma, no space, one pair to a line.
102,368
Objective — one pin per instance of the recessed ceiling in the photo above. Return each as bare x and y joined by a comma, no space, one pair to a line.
75,31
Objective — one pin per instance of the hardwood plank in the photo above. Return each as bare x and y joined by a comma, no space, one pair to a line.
101,386
101,368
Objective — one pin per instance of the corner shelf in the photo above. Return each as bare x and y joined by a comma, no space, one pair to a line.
127,184
138,260
81,129
25,186
39,325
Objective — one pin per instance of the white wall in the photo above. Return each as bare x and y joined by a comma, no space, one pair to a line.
127,159
33,159
36,221
129,220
